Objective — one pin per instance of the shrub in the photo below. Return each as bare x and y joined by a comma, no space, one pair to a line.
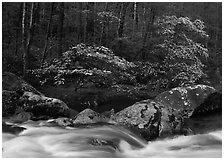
182,47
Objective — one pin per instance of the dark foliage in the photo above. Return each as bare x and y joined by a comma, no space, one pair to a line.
162,45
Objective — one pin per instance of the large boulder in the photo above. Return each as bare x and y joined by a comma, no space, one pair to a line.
21,101
211,105
40,105
12,82
207,116
150,118
168,113
185,97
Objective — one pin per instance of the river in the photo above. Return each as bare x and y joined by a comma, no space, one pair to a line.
42,140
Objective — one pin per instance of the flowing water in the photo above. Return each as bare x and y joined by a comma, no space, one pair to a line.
42,140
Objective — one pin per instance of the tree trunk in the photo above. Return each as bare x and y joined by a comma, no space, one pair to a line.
148,29
124,7
48,34
18,28
103,25
60,28
37,17
27,38
80,27
24,41
135,21
85,24
30,33
90,22
94,23
144,19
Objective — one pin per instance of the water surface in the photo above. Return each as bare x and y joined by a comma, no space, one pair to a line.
44,141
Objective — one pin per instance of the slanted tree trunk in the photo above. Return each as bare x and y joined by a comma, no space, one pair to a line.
124,7
47,34
60,28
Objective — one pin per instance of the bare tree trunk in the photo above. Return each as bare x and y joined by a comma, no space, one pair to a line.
48,34
60,28
27,38
30,33
85,24
148,29
24,41
18,28
144,19
94,22
90,22
103,25
124,7
80,28
37,16
135,22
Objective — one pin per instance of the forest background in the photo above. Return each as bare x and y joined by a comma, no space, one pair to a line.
179,43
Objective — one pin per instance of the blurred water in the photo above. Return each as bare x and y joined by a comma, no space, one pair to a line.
42,141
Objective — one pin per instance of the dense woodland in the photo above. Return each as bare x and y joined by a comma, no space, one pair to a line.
179,41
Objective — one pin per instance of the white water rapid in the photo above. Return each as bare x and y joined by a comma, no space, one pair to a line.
44,141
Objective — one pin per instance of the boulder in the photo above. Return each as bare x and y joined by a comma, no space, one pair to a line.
12,129
150,118
12,82
168,112
40,105
185,97
9,99
208,116
22,102
61,122
89,116
211,105
86,116
21,116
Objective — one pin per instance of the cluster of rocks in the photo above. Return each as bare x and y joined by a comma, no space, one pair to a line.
164,115
22,101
